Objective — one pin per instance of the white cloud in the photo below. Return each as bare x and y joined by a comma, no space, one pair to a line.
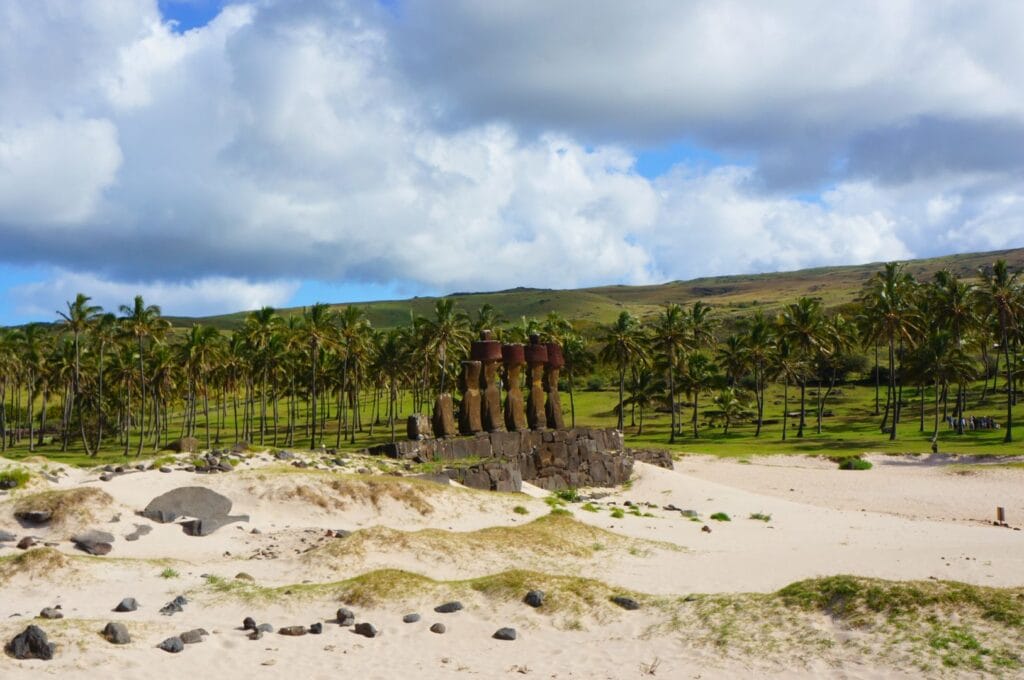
202,296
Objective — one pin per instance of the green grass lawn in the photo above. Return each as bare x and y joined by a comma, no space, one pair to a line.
852,430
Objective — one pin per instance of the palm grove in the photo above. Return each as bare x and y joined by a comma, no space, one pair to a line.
96,380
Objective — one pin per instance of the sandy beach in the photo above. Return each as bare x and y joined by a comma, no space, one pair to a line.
415,544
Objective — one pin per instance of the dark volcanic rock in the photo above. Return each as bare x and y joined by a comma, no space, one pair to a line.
366,630
448,607
26,543
208,509
6,536
292,630
190,637
117,633
51,613
438,628
316,628
410,618
128,604
94,542
265,628
346,617
172,645
627,603
249,623
34,516
174,606
534,598
31,643
505,634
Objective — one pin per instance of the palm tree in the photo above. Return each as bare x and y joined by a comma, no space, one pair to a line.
352,337
838,337
318,328
198,353
10,365
759,338
730,405
391,357
105,332
801,327
889,314
577,359
788,367
644,390
79,316
488,318
670,340
623,344
952,305
260,328
449,329
733,357
34,348
697,376
1000,293
142,322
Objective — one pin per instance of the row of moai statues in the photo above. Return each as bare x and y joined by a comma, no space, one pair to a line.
481,409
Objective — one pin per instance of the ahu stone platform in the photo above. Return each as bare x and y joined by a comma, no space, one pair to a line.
501,461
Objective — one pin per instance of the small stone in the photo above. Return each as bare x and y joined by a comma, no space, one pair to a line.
51,613
106,477
191,637
265,628
294,631
346,617
116,633
172,645
366,630
26,543
534,598
316,628
505,634
128,604
242,576
706,529
249,623
438,628
448,607
164,469
30,644
256,635
626,603
410,618
255,531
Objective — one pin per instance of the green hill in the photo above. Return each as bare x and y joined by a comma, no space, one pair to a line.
731,295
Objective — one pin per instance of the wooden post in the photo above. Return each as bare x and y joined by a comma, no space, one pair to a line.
1001,515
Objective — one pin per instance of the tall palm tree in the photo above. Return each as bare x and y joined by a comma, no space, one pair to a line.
318,328
759,338
578,358
77,320
801,325
1000,292
198,353
730,405
670,340
391,358
890,314
448,330
352,338
488,318
953,307
35,350
623,344
697,375
142,322
105,331
644,390
260,328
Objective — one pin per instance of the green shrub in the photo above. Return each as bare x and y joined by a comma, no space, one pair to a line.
761,516
854,464
520,510
617,513
169,573
569,495
721,517
590,507
15,478
561,512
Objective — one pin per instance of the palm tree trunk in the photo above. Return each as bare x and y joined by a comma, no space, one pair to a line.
572,399
42,417
312,384
671,398
31,415
892,391
803,389
696,397
622,385
1009,385
785,407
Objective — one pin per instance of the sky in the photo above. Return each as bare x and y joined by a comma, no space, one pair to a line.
218,156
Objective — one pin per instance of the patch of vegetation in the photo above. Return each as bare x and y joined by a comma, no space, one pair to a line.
761,516
79,504
562,512
34,562
854,463
590,507
169,573
617,513
570,495
721,517
15,478
332,491
520,510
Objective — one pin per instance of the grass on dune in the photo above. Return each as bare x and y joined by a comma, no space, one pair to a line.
80,505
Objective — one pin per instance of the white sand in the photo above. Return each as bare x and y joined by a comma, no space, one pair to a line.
905,519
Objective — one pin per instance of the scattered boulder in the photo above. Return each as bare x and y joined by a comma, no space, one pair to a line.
34,516
292,630
438,628
626,603
184,445
448,607
164,469
191,637
505,634
706,529
140,531
265,628
366,630
256,635
94,542
172,645
243,576
346,617
26,543
316,628
249,623
51,613
116,633
6,536
31,643
410,618
128,604
174,606
534,598
106,476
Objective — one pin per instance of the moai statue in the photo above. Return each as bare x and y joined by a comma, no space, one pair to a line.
469,411
515,410
536,357
553,408
444,416
488,352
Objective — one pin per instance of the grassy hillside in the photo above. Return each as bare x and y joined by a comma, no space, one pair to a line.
732,295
